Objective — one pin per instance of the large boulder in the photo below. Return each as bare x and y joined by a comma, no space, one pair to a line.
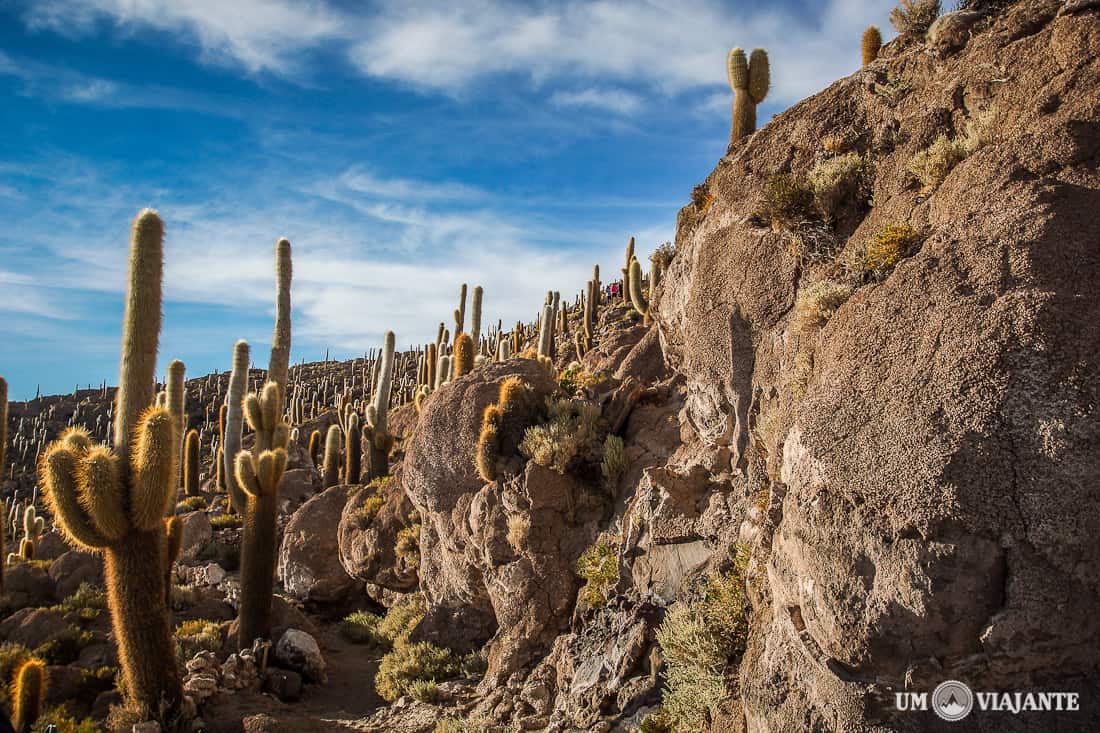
441,481
72,570
196,534
27,584
928,456
309,558
368,536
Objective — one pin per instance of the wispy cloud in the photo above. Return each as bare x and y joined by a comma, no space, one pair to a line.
669,48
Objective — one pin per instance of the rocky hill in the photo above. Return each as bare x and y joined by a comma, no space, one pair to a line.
845,448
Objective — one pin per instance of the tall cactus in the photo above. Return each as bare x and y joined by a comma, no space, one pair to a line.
330,474
749,80
234,424
546,330
464,355
315,447
115,500
219,462
380,440
354,453
258,472
626,277
871,45
639,300
28,694
475,317
3,446
279,365
191,463
460,313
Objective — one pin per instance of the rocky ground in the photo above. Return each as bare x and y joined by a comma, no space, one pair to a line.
858,455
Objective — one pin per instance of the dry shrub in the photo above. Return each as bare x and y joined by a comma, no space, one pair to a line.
787,201
914,17
889,245
816,304
838,181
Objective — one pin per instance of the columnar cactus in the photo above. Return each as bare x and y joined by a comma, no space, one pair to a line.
503,425
219,463
176,395
379,439
872,44
460,313
641,304
475,317
431,363
354,453
279,365
315,447
464,355
258,473
626,276
116,500
546,331
330,474
234,424
173,532
191,463
749,81
28,694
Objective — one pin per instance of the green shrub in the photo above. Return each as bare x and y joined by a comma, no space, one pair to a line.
409,663
368,511
816,304
613,465
787,201
407,546
63,722
697,640
401,619
361,627
87,601
662,256
65,647
883,252
599,567
190,504
573,435
932,164
198,635
424,691
914,17
226,521
838,181
228,556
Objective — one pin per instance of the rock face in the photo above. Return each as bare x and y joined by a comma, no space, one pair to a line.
309,558
368,541
930,451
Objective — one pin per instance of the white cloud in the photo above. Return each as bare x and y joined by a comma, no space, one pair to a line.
616,100
667,48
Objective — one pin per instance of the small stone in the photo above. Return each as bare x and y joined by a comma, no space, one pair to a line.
149,726
299,651
284,684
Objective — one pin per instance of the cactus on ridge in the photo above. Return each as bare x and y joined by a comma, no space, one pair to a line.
464,355
191,463
330,473
279,364
354,453
871,45
379,439
475,317
749,80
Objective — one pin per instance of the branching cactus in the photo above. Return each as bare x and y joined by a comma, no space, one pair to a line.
234,424
749,80
872,44
379,439
279,365
258,473
115,500
330,474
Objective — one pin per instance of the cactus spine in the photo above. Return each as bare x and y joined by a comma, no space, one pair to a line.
115,500
464,355
191,463
279,364
258,473
352,464
749,81
331,472
28,694
234,424
378,433
872,44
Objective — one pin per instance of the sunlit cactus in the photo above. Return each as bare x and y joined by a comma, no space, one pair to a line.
234,424
28,694
464,355
378,438
191,463
279,364
354,453
871,45
115,500
330,473
749,79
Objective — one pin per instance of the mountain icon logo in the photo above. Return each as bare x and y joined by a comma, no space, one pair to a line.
952,700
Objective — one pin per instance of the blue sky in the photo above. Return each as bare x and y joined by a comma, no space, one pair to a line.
402,147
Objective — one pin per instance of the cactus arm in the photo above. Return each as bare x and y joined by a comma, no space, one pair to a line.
100,493
59,472
737,69
759,75
246,474
234,423
279,365
140,331
152,488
